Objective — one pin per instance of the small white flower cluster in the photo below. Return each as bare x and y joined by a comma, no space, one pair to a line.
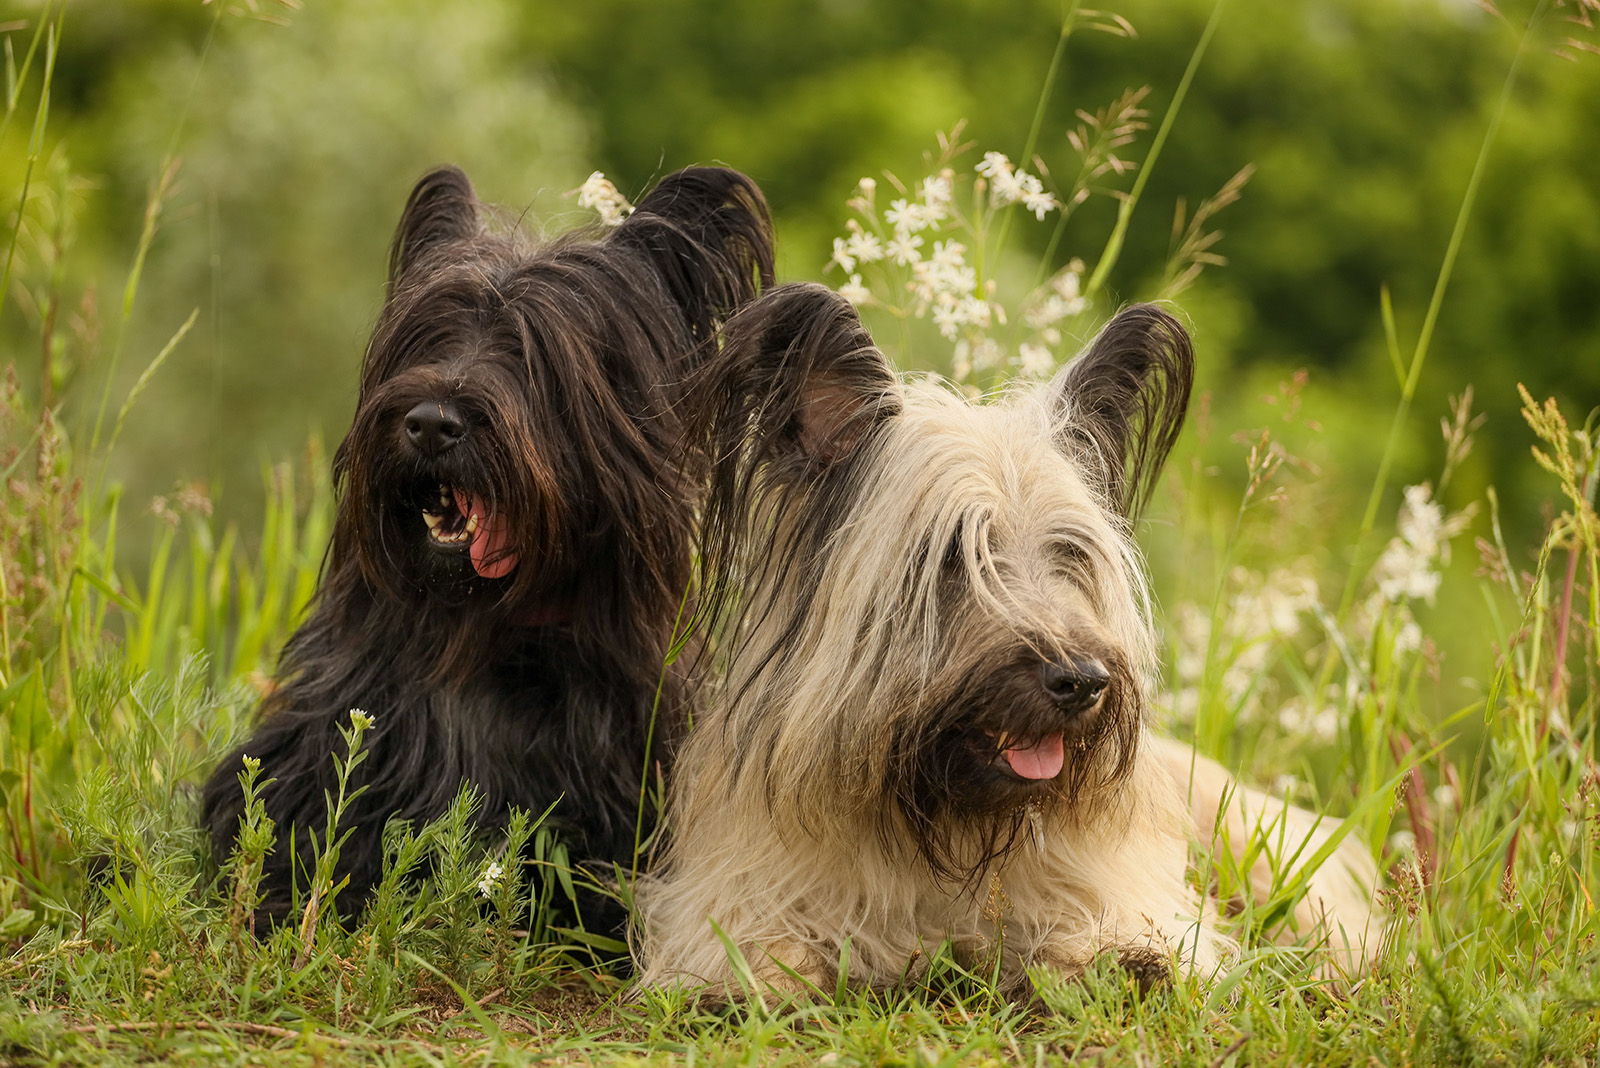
361,720
921,244
907,220
490,880
1007,186
1405,571
1300,718
1408,571
1262,612
598,194
1061,299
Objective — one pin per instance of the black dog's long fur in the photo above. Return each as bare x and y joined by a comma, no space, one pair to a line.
558,365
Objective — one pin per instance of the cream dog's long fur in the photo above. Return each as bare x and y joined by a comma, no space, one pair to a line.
893,562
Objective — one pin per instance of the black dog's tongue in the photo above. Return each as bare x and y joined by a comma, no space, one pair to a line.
491,556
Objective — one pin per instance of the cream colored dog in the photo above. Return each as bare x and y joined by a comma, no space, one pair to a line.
933,720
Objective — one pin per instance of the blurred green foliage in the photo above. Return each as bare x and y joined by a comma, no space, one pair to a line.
1363,118
276,157
294,146
298,130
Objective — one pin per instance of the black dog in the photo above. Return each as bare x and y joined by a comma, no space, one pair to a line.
513,538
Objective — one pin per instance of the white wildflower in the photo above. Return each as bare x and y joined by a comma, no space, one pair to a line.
1405,570
1036,360
1261,613
866,248
1186,704
1039,204
994,164
1293,715
1325,724
987,353
949,254
1069,283
1444,795
937,192
906,216
490,878
1408,638
1030,190
962,279
841,255
1269,607
1240,678
862,200
1421,519
1008,187
1064,298
1041,314
961,363
947,316
1403,573
1299,718
1286,595
902,248
944,275
361,720
598,193
854,291
1193,625
975,312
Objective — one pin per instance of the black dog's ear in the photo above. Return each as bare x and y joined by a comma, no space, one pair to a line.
1120,404
709,233
441,209
798,384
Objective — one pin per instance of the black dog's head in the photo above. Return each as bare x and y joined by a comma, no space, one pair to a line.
515,455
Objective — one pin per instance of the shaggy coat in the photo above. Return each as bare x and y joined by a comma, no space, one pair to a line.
938,657
513,540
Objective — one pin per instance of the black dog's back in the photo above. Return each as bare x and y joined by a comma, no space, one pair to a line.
546,722
513,540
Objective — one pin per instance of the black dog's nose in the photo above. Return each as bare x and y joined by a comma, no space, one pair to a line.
434,426
1074,684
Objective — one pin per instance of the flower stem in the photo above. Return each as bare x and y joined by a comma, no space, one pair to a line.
1067,21
1113,249
1409,388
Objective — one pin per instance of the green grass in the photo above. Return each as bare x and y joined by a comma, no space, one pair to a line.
120,684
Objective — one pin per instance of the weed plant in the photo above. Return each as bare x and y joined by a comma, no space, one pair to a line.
126,943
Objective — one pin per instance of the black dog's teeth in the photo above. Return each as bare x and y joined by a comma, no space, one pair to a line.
446,526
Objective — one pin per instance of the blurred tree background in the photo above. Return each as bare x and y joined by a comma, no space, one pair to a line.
295,131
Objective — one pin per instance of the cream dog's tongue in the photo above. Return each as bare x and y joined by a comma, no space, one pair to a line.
490,556
1041,760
